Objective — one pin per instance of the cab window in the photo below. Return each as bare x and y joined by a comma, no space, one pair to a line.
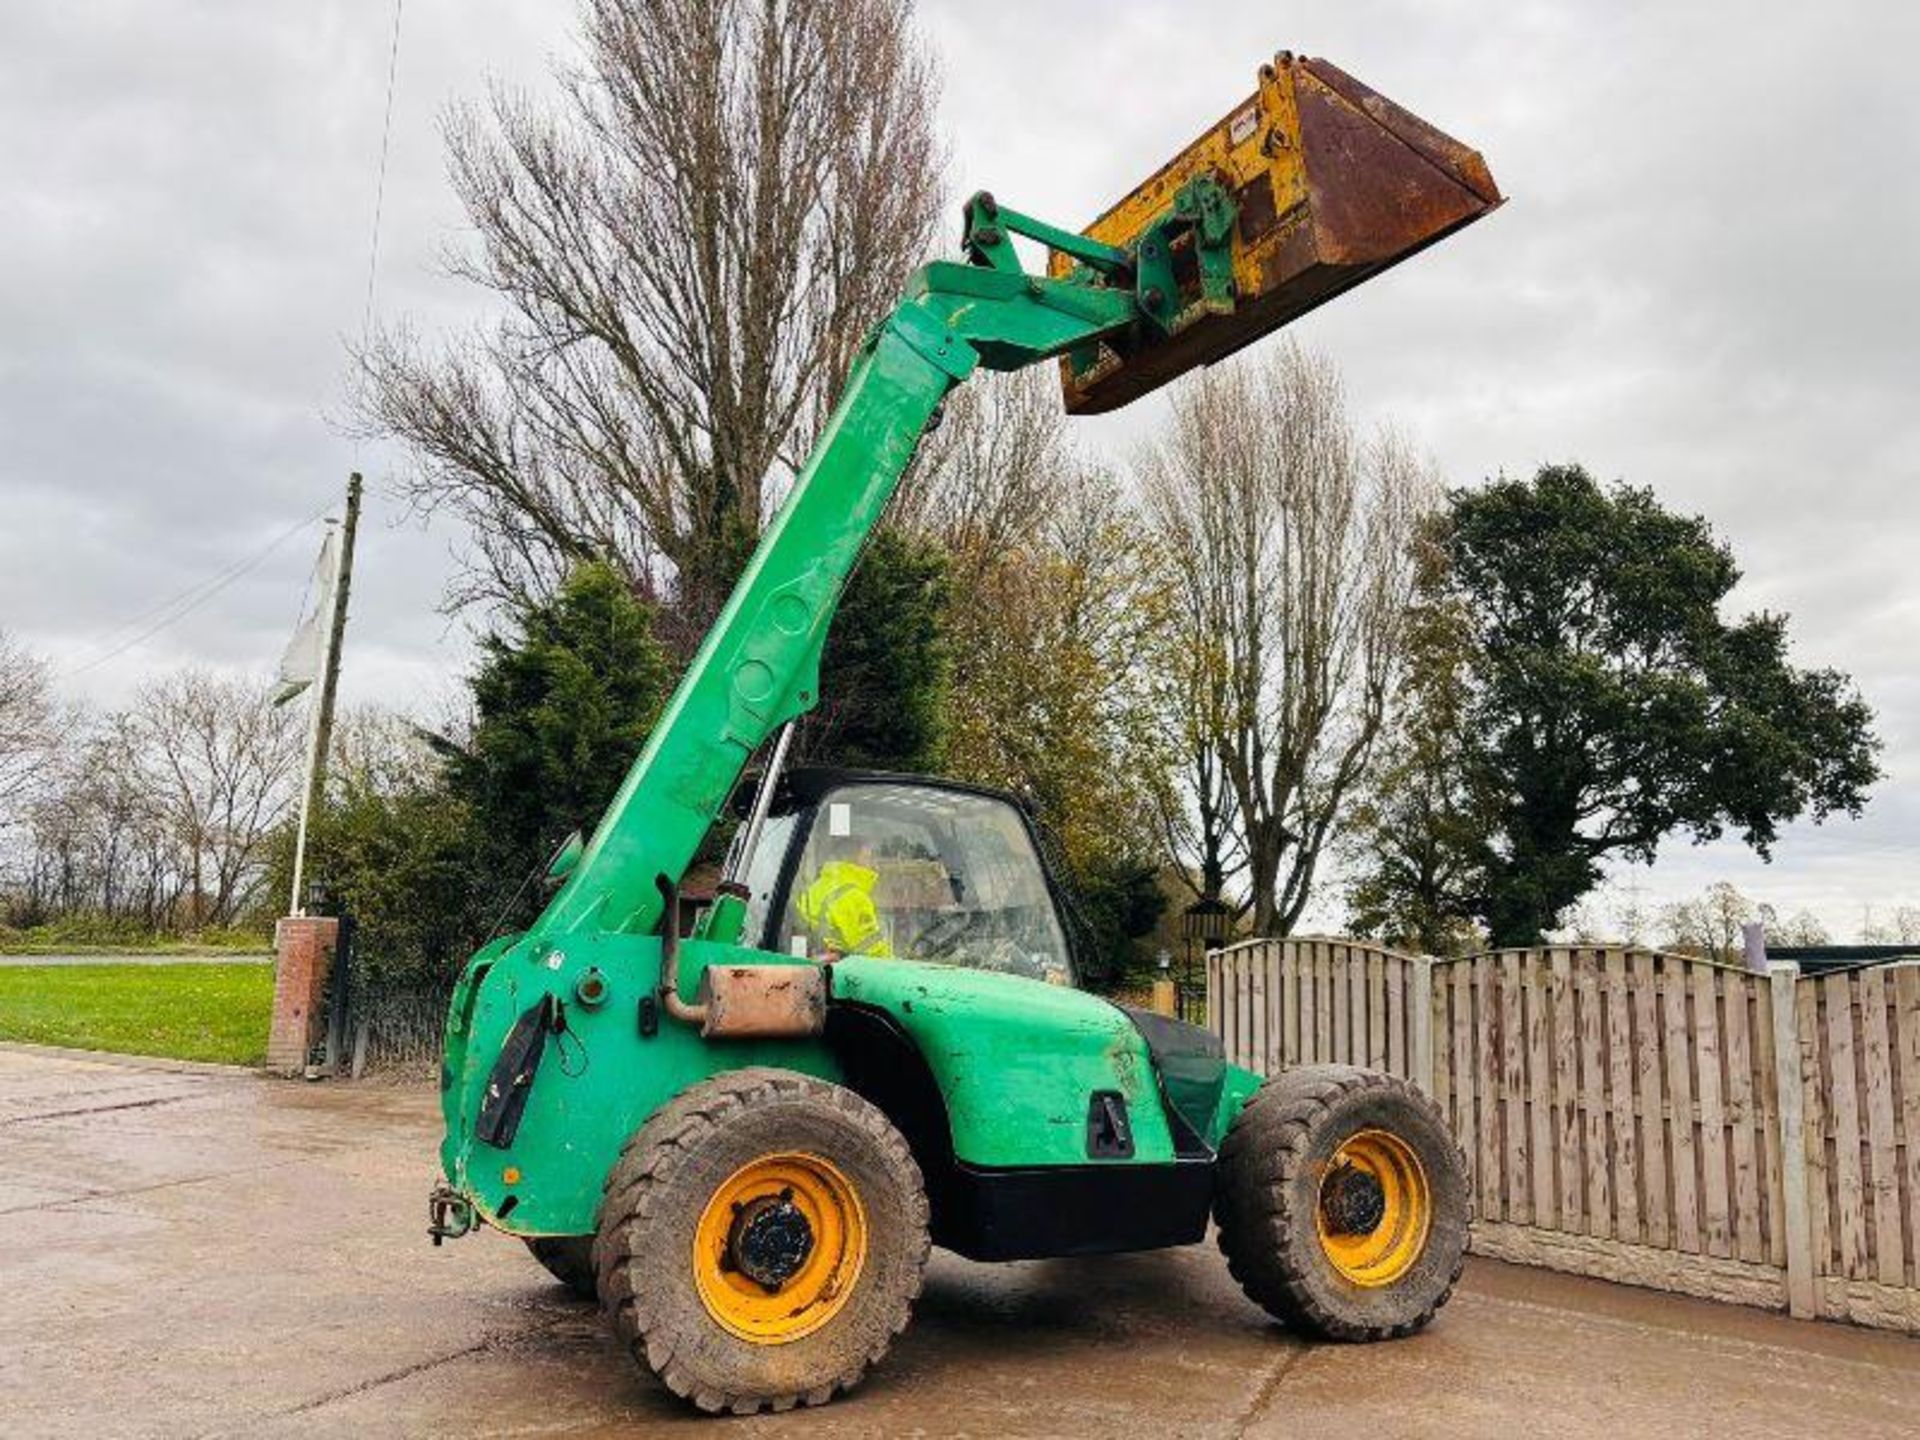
762,876
919,873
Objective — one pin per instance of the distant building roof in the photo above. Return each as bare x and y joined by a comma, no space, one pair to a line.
1816,958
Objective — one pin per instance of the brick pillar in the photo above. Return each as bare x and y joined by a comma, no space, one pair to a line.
304,944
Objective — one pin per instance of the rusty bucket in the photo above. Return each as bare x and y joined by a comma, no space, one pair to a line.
1332,183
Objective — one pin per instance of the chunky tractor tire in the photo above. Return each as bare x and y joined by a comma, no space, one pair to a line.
569,1259
761,1241
1342,1203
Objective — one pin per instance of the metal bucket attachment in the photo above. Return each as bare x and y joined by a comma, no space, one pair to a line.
1330,184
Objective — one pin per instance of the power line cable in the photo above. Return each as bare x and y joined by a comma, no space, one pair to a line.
380,182
178,597
170,612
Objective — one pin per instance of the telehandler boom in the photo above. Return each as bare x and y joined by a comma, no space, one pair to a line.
744,1141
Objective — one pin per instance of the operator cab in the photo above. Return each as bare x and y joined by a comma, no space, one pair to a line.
904,867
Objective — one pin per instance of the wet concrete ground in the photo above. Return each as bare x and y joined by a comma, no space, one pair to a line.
187,1251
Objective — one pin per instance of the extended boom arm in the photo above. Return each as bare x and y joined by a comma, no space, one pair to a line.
759,665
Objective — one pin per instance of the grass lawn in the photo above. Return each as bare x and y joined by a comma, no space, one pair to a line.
185,1012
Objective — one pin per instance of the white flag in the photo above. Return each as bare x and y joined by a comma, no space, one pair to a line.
306,651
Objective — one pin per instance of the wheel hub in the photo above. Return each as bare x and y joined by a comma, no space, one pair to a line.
1375,1208
770,1240
779,1247
1353,1202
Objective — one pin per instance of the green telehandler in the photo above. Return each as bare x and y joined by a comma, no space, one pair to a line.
744,1136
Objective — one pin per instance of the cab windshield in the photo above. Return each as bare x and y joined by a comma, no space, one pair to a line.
912,872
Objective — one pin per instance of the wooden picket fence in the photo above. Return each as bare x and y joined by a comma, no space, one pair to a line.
1637,1116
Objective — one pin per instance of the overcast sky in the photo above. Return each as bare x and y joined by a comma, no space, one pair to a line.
1708,281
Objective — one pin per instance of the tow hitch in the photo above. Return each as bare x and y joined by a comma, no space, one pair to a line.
449,1215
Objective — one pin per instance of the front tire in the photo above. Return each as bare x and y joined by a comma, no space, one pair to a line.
761,1241
1342,1203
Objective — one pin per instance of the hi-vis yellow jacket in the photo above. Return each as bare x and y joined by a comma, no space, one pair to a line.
838,908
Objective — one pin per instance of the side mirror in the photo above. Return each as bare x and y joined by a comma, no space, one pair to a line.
564,859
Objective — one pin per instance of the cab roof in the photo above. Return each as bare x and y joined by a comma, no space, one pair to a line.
805,785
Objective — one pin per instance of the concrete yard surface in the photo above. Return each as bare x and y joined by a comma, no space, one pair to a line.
201,1252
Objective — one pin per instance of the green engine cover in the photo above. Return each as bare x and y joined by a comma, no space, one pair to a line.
1015,1059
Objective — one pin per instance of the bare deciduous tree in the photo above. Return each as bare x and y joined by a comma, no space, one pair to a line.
98,842
29,725
160,816
1709,925
1803,927
1289,543
992,470
220,765
688,254
1897,925
1051,610
379,752
1193,794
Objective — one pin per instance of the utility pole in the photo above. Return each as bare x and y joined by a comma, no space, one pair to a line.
320,737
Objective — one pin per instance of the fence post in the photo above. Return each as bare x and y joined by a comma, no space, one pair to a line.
1212,1000
1801,1301
1420,1027
340,995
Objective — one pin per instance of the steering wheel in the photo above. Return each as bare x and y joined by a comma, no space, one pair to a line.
946,933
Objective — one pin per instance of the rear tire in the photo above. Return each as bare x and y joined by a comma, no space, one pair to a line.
1342,1203
569,1259
761,1241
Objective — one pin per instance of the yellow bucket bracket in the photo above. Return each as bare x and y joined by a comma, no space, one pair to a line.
1329,184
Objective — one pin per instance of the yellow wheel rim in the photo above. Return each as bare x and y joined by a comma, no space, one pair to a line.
1375,1209
779,1247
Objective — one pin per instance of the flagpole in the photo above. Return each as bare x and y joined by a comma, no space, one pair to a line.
294,907
320,727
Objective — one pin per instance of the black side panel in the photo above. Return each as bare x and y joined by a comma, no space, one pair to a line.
1192,1068
1077,1210
884,1066
511,1080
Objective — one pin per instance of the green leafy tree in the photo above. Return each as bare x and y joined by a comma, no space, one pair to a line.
1612,704
562,708
885,675
1116,899
392,847
403,864
1415,843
